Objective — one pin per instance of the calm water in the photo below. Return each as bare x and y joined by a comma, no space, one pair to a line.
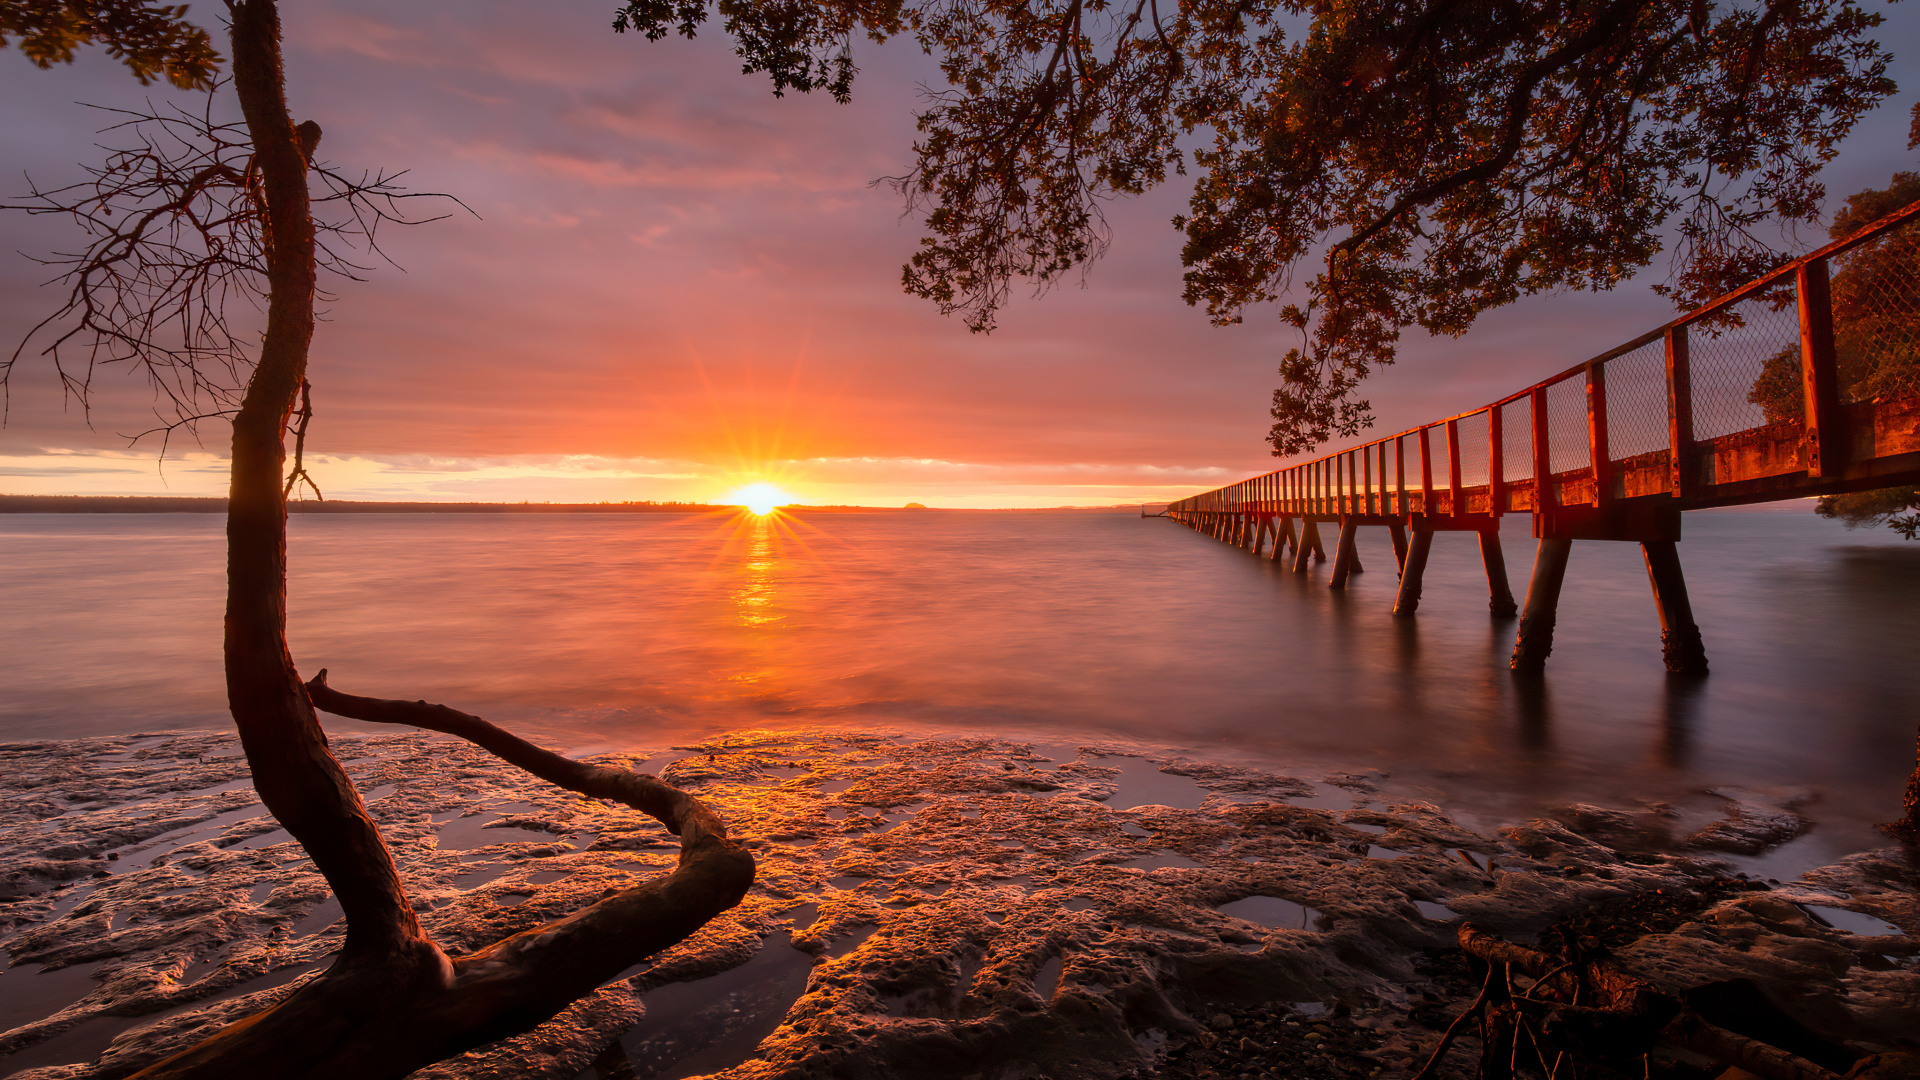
643,629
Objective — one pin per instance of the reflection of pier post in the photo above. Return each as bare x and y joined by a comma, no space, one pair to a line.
1681,704
1680,644
1535,642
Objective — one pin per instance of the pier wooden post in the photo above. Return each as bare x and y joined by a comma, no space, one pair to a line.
1818,379
1412,571
1535,641
1680,644
1499,595
1343,558
1399,533
1283,538
1679,411
1309,543
1259,536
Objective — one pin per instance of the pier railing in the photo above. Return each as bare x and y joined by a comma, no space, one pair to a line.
1742,400
1805,381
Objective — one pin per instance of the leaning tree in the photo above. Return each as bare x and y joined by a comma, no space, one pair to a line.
1434,158
194,214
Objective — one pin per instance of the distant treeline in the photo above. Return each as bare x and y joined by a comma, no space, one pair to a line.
161,504
154,504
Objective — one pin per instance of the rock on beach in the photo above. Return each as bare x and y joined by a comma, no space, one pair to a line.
966,907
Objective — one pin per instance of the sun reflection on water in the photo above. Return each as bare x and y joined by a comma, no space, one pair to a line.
761,560
758,581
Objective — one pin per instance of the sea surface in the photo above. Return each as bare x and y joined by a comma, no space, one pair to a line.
641,630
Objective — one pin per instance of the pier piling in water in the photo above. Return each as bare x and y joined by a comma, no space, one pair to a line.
1680,644
1412,571
1499,595
1343,555
1628,474
1309,543
1535,641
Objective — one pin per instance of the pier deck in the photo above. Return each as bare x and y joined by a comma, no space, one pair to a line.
1803,382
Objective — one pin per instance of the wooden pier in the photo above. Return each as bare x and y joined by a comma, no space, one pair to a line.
1803,382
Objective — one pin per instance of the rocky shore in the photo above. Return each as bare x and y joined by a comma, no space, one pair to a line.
924,907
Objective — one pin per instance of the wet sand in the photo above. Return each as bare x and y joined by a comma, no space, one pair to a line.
929,907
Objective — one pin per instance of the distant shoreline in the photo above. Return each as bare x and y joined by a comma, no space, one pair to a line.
165,504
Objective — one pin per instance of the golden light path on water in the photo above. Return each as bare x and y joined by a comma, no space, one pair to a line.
758,551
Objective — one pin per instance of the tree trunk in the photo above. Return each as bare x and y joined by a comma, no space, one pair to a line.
393,1001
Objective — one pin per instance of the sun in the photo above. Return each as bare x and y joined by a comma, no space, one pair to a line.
760,498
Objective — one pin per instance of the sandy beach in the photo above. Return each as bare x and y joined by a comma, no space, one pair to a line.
929,907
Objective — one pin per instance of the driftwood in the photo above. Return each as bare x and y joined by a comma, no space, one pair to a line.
1576,1015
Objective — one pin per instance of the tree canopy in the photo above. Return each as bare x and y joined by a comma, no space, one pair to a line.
152,40
1429,160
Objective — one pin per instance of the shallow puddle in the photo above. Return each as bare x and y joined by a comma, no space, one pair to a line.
467,833
87,1041
700,1027
144,852
29,993
265,839
1141,783
1047,979
1159,859
1272,911
1852,922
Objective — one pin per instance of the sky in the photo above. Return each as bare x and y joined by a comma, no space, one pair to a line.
673,284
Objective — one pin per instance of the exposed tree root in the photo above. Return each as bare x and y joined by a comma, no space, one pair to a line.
382,1015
